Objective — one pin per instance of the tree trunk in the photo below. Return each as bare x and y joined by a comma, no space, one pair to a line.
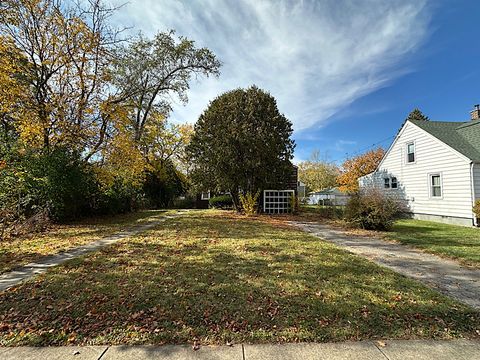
236,200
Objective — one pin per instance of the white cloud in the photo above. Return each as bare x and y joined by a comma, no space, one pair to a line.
297,160
341,145
314,57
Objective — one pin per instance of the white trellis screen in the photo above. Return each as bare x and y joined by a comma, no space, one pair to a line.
277,201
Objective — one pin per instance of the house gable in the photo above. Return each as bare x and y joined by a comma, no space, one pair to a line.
433,138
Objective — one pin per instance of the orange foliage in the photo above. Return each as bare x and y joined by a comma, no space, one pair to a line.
356,167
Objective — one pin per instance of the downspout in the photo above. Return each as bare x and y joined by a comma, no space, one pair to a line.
472,189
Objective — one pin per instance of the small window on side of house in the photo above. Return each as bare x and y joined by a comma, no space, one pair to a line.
394,183
436,186
411,152
205,195
386,183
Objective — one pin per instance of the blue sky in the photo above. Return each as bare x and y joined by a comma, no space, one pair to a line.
346,73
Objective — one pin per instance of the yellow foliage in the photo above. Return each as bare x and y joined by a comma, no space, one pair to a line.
56,90
122,157
30,131
476,209
249,202
317,173
163,141
65,70
12,91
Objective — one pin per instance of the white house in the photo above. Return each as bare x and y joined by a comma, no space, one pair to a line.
435,167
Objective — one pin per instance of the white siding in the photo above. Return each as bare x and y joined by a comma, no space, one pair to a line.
431,156
476,180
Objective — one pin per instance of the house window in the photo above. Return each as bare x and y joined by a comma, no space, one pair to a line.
394,183
411,152
436,186
387,183
205,195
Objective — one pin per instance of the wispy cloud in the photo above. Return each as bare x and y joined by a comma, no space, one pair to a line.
341,145
315,57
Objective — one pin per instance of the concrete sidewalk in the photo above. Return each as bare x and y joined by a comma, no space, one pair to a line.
364,350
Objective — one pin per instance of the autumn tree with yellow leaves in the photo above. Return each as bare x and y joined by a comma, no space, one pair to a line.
71,84
67,52
358,166
318,173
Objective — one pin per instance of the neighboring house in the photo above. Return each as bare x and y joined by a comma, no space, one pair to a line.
202,200
331,196
435,167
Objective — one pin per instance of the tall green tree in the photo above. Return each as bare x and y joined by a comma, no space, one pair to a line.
241,143
416,114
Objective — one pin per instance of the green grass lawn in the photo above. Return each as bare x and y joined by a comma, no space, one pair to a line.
456,242
216,277
22,250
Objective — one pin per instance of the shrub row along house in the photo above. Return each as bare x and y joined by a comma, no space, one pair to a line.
435,168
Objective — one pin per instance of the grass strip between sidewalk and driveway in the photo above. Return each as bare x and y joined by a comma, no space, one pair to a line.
214,278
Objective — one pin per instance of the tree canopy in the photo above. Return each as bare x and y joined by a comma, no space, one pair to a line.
149,71
358,166
317,173
241,143
76,92
416,114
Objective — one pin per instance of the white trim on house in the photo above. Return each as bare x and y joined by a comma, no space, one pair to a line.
402,129
205,195
441,142
431,185
393,182
407,144
475,182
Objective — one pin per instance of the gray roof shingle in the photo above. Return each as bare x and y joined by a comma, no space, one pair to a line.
461,136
